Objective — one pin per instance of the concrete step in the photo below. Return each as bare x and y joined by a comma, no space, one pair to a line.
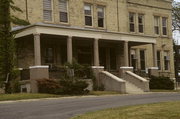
132,89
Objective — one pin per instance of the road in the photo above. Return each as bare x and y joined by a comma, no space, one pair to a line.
64,108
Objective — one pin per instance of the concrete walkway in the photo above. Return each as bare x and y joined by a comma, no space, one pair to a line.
64,108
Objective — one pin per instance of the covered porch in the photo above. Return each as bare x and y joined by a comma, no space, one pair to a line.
56,45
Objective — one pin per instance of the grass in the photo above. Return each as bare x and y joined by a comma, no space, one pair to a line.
158,90
22,96
168,110
98,93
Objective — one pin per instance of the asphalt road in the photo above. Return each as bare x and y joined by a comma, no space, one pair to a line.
64,108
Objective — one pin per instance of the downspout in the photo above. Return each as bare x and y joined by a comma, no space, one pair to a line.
118,15
26,4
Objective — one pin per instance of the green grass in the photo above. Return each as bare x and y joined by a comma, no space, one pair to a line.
98,93
169,110
22,96
158,90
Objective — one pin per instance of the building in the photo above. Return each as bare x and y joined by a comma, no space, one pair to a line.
109,33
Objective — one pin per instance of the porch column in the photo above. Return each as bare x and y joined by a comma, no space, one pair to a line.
37,50
154,48
126,54
69,49
96,52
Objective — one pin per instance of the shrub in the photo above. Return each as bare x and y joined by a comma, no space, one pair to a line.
48,86
15,86
161,83
73,86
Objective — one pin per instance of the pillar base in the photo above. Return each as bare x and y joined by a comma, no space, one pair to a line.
123,70
96,70
153,71
37,72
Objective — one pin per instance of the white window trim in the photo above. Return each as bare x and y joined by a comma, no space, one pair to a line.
166,27
159,26
92,15
135,28
67,14
52,13
104,7
143,23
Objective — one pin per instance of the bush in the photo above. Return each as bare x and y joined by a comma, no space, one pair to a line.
15,86
48,86
161,83
73,86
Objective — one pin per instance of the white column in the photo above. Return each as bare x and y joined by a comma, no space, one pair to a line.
37,50
96,52
126,54
69,49
154,48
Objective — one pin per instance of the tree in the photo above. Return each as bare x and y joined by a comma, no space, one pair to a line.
7,43
176,16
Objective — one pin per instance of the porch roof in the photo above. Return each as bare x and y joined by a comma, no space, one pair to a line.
54,29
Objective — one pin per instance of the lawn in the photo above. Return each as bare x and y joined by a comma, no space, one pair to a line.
168,110
23,96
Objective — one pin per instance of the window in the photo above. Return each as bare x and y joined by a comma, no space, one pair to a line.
166,60
100,10
142,59
47,10
132,22
88,14
63,11
156,25
133,59
141,23
49,55
164,25
159,60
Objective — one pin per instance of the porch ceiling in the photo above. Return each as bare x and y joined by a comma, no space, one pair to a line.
82,32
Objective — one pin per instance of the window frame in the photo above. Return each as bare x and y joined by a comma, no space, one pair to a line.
158,25
91,15
104,14
144,60
134,22
162,27
159,60
166,60
67,12
52,16
142,15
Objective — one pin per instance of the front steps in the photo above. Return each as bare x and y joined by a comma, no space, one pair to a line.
132,89
130,83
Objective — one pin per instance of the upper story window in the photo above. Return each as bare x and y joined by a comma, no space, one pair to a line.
88,14
47,10
132,22
164,25
156,25
141,23
63,11
100,12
